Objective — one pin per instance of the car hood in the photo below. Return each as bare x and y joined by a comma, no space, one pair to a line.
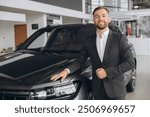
23,68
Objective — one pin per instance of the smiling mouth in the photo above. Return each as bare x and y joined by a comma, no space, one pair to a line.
101,24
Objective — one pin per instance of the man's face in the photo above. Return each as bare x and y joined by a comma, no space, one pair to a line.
101,19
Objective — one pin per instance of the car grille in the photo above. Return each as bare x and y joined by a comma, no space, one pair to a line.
14,95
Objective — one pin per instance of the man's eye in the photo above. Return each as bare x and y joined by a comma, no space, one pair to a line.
96,16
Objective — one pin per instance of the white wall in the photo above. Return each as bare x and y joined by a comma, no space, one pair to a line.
7,21
39,19
9,16
6,34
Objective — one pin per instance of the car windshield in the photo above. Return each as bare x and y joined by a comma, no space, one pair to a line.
39,42
69,39
59,39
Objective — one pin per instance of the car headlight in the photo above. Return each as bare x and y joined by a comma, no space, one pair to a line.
56,92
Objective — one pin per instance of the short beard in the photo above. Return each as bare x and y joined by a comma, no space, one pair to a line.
101,27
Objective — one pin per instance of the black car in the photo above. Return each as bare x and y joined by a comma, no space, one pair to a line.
25,73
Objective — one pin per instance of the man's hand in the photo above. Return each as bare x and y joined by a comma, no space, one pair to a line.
101,73
63,74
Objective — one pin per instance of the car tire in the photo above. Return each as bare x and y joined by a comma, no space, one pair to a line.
131,84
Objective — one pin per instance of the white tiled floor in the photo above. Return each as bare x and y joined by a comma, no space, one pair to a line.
142,91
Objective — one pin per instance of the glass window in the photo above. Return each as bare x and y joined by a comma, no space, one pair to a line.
70,39
39,42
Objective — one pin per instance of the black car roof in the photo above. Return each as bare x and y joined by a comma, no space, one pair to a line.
72,25
112,26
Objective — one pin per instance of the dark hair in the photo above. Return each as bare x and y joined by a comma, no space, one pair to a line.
100,7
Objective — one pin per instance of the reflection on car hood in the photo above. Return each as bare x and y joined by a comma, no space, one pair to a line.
28,68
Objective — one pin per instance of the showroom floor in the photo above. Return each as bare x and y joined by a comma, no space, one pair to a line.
143,80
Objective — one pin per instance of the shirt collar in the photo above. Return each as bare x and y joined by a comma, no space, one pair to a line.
104,35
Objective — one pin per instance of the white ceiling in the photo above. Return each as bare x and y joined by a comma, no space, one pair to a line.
131,13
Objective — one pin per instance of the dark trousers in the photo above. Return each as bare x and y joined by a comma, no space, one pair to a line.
103,95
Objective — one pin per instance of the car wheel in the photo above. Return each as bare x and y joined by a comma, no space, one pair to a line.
131,84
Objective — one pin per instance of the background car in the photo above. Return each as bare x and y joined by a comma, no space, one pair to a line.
25,73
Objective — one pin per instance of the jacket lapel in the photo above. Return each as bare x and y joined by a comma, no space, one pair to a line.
108,46
95,52
97,58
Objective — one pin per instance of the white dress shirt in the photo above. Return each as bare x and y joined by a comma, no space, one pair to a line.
101,43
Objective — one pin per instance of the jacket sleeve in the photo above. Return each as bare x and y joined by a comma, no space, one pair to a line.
127,59
80,60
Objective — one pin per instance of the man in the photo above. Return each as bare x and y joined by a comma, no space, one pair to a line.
110,57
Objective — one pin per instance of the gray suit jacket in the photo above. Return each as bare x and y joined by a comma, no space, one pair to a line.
118,59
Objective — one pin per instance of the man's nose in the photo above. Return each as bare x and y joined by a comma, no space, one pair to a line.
100,18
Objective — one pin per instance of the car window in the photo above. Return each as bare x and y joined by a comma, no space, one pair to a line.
39,42
70,39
